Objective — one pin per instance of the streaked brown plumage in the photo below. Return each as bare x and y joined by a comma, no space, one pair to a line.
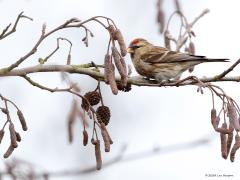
161,64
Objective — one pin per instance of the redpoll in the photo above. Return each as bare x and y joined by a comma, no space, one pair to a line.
160,63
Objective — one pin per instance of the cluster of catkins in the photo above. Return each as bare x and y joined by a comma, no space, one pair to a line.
226,131
14,135
185,37
119,62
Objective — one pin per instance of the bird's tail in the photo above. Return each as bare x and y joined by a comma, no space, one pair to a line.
204,58
216,60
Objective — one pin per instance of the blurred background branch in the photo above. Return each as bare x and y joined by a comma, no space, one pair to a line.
14,168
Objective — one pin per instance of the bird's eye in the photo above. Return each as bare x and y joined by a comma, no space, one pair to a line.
135,47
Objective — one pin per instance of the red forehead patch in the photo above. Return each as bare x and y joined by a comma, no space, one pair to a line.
135,41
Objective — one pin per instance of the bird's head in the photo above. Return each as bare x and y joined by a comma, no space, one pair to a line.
135,45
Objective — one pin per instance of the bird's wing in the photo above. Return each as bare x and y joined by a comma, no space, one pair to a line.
163,55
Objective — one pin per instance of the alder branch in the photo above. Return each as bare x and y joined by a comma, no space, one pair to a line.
87,69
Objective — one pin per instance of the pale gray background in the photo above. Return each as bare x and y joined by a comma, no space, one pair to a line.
142,118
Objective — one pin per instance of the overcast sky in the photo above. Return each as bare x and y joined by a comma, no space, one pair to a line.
143,118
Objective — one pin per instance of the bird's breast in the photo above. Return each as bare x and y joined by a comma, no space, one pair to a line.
143,68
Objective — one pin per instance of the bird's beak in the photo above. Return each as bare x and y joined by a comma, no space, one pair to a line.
130,50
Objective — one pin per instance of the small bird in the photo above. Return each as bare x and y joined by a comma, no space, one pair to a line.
161,64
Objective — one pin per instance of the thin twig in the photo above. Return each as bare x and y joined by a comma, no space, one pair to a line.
57,48
44,35
4,33
69,90
34,83
224,73
204,12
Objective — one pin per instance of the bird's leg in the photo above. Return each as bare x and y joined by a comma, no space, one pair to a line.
141,78
191,69
177,78
164,82
146,78
170,81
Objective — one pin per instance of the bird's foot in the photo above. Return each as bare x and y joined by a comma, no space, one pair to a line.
165,82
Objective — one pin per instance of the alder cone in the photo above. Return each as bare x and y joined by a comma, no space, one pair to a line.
93,98
123,88
103,114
